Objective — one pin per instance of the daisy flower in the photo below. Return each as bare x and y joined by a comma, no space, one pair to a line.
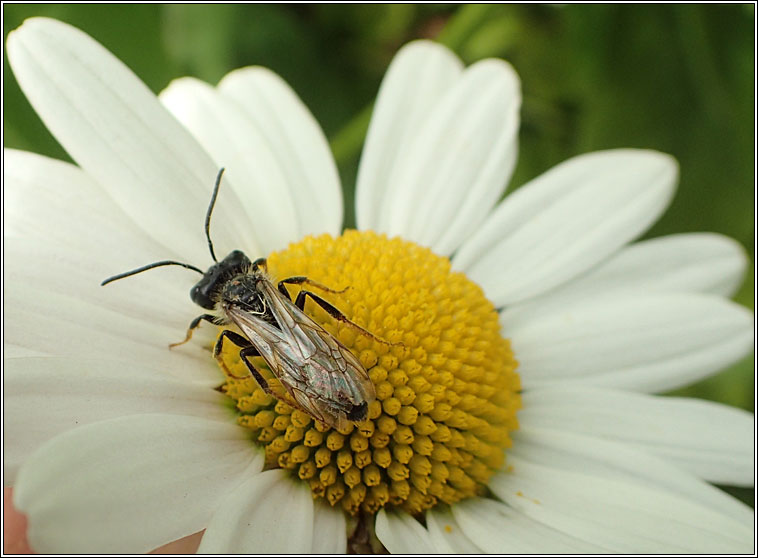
519,342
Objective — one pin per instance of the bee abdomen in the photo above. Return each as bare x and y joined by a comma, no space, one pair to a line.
358,412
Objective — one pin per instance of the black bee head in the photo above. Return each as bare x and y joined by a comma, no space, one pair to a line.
205,293
358,412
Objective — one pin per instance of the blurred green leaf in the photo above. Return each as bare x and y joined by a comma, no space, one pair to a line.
200,38
464,23
494,36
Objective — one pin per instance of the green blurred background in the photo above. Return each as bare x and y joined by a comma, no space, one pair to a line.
676,78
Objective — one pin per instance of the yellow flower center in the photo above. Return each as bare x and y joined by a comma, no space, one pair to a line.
447,390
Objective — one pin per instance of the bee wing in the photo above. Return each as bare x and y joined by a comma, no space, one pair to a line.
272,344
310,382
320,373
343,371
317,408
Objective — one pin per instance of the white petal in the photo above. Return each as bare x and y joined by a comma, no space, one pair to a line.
400,533
329,530
446,534
268,514
11,350
117,131
86,391
130,484
236,143
57,204
58,324
697,262
56,209
500,529
617,461
457,165
297,141
158,296
566,221
621,516
641,343
713,441
419,75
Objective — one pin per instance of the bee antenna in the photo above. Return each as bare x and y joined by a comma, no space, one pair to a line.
210,211
149,266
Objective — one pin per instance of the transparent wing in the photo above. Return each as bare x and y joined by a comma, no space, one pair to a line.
344,372
320,373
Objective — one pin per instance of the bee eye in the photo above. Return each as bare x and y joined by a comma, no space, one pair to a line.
201,295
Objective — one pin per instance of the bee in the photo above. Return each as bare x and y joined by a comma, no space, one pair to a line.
322,377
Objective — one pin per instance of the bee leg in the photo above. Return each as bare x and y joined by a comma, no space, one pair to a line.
334,313
242,343
247,350
253,352
300,280
193,326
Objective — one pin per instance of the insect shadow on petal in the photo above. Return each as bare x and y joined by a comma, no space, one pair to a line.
321,375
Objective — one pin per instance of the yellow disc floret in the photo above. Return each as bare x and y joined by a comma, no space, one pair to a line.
447,391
